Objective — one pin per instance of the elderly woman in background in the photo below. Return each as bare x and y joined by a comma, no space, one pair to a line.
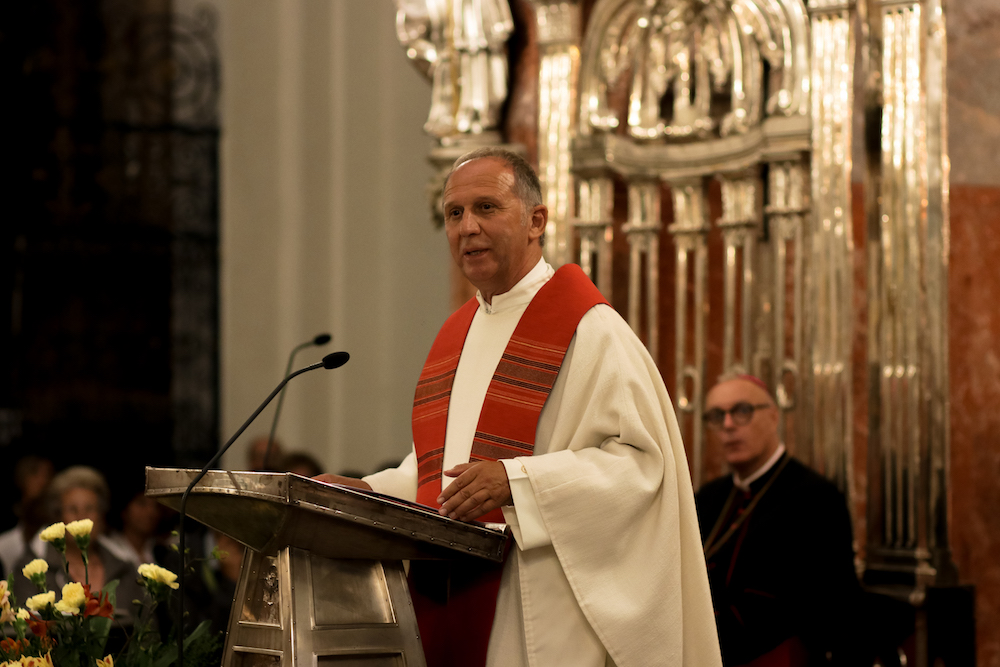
81,492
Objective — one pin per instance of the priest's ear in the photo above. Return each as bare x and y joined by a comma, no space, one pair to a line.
538,221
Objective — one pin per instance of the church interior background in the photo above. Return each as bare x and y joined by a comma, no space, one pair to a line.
808,190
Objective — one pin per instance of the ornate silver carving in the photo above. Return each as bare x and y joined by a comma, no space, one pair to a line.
681,54
558,24
694,75
460,45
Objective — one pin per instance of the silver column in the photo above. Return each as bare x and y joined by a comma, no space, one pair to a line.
557,23
690,236
740,223
643,233
827,390
786,210
908,250
595,225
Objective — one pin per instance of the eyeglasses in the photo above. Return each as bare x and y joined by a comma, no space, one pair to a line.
741,413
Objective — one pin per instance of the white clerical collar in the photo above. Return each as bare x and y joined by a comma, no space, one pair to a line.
520,294
744,484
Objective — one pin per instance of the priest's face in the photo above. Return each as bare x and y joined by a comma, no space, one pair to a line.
748,446
493,236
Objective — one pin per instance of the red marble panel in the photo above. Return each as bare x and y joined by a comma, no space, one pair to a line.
974,366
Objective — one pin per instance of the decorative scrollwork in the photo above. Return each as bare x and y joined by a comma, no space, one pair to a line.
460,45
696,67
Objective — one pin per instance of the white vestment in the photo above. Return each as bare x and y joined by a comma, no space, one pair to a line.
609,568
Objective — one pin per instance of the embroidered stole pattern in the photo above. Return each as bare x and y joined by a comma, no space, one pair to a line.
519,388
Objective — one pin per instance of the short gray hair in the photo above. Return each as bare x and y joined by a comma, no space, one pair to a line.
78,477
527,187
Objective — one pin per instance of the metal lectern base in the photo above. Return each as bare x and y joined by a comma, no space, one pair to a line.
344,613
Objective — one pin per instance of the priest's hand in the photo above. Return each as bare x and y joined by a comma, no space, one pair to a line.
478,488
343,481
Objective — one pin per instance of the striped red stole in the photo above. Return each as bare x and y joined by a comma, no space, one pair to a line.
519,388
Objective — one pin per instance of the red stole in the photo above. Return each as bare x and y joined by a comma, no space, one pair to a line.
458,632
520,386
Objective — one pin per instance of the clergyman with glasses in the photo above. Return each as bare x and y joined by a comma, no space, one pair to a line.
777,541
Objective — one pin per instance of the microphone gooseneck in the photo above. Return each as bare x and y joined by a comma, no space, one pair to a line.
318,340
330,361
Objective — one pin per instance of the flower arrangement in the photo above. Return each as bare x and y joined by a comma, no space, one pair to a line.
73,631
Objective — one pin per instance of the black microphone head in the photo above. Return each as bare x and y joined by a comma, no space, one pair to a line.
335,360
322,339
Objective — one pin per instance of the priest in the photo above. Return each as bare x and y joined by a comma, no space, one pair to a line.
777,539
539,407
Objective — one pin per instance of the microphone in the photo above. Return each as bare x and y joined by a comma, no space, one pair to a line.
330,361
318,340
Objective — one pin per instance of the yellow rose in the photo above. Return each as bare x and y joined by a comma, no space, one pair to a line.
80,528
73,598
107,662
157,574
40,601
35,567
56,531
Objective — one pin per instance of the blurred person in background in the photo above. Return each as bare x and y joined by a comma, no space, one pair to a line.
778,542
212,591
32,475
300,463
81,492
137,536
257,452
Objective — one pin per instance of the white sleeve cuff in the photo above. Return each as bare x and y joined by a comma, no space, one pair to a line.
400,481
524,518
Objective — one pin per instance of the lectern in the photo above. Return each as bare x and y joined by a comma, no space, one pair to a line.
323,581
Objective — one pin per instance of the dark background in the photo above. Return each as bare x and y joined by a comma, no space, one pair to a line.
108,238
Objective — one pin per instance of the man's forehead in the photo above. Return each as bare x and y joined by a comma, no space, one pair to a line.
735,390
485,173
